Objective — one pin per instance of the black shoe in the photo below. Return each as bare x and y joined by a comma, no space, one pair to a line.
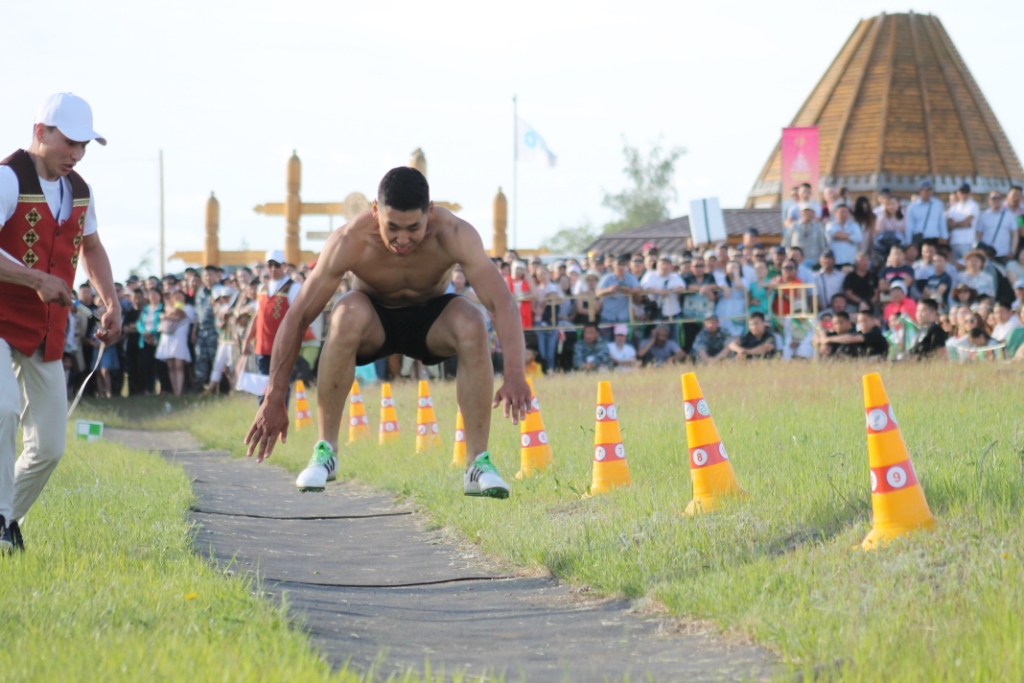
6,542
16,539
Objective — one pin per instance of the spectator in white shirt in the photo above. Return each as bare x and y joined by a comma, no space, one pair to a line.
664,287
996,227
925,219
622,353
882,201
844,235
961,220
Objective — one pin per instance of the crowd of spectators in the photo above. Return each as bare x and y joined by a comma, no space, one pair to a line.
889,280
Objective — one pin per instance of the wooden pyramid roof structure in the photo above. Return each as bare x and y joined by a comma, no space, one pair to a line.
897,106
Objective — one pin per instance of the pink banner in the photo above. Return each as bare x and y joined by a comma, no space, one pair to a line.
799,159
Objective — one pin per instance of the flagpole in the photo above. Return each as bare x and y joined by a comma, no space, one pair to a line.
515,171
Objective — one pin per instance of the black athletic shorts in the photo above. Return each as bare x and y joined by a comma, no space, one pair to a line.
405,330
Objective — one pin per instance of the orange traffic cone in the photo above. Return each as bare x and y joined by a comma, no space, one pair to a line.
358,423
710,468
428,434
610,466
388,416
303,415
534,450
459,452
897,499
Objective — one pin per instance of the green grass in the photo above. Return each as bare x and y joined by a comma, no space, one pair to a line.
778,566
110,589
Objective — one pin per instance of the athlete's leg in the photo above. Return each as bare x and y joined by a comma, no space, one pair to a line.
460,330
355,331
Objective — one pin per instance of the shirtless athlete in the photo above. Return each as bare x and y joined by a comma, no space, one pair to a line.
401,253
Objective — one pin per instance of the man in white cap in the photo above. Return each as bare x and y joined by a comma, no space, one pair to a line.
272,303
47,221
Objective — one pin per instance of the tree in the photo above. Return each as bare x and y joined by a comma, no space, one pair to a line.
651,191
573,239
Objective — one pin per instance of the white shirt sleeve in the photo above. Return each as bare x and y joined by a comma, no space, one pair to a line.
90,214
293,292
8,194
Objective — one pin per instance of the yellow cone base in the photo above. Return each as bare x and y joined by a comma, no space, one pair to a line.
898,514
533,460
710,485
610,475
358,433
425,443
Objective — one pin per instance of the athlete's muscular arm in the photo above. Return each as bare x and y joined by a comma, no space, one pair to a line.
272,418
467,248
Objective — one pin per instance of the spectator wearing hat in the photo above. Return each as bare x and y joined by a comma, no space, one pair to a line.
961,220
591,352
996,229
899,302
273,300
660,348
712,343
621,352
807,234
925,216
617,289
975,276
844,235
827,281
758,342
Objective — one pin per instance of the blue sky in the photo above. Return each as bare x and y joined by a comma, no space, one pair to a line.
227,90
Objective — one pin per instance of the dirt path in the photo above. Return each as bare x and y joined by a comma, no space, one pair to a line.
365,578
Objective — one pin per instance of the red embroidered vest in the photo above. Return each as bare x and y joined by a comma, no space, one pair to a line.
268,319
33,236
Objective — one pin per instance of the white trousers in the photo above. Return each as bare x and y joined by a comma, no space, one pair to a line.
32,394
224,360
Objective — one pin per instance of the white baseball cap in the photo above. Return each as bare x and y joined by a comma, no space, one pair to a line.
275,255
71,115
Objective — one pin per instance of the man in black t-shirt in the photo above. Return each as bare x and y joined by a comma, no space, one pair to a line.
932,340
940,284
861,285
869,337
828,347
759,342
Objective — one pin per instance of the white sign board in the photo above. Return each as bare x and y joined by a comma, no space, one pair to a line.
707,223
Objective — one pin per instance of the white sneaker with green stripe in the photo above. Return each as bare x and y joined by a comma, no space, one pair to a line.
322,468
482,479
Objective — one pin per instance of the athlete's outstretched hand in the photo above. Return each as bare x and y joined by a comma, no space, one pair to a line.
515,394
271,421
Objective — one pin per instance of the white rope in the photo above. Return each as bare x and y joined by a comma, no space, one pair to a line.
95,366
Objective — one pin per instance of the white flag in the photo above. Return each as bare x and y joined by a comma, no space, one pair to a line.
530,146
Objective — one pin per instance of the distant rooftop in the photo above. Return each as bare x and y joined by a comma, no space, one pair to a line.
899,105
670,236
